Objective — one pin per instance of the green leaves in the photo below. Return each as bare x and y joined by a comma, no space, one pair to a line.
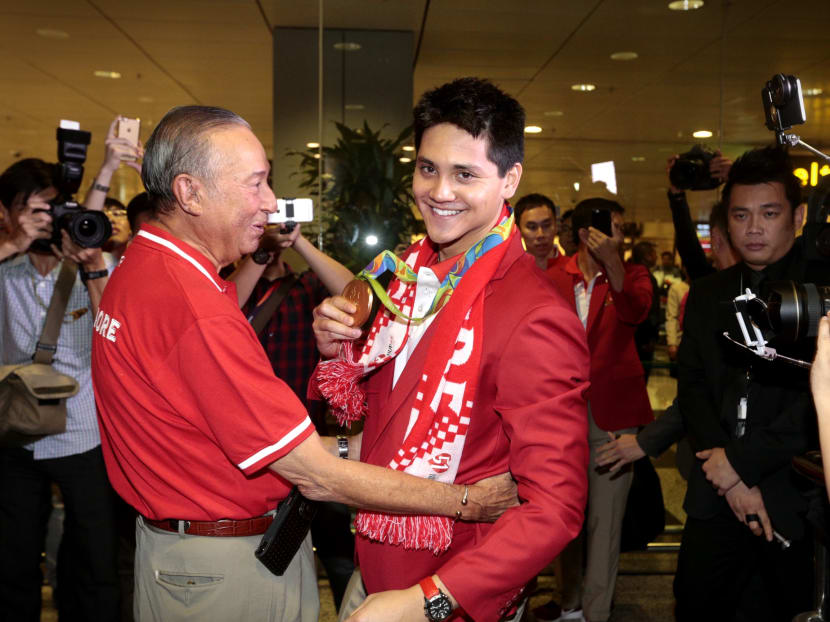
367,191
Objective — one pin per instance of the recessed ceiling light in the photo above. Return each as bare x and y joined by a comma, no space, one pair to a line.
702,134
685,5
638,159
532,129
624,56
316,156
583,87
50,33
576,186
312,145
347,46
107,74
554,113
145,99
408,148
813,92
354,106
405,160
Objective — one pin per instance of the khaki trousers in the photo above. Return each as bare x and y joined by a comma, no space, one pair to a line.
356,594
181,577
607,495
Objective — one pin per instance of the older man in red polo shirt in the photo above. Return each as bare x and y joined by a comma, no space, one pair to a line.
197,432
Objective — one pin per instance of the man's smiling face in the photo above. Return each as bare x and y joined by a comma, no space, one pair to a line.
458,189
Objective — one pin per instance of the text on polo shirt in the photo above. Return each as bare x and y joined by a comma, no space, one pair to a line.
105,325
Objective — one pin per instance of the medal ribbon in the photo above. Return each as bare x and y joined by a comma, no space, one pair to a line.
389,262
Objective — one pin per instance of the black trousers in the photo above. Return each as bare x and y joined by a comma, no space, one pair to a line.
726,574
87,572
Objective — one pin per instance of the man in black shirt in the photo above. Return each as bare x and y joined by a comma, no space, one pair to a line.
746,418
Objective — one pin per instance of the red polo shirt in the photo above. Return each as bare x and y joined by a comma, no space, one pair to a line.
190,410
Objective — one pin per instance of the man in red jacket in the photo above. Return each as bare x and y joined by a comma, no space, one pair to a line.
611,298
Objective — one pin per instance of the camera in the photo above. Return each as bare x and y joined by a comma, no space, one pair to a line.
790,310
87,228
783,102
691,170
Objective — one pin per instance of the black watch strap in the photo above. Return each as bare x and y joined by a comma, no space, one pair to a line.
95,274
260,256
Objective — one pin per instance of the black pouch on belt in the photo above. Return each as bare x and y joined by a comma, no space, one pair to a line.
284,537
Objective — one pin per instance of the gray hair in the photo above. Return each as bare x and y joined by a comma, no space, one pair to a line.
180,144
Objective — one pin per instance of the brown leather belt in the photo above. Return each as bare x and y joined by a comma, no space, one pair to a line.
220,528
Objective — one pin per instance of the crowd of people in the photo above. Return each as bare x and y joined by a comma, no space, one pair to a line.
500,389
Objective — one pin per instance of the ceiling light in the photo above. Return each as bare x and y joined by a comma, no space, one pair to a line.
583,87
702,134
107,74
624,56
576,186
638,159
685,5
354,106
371,240
813,92
316,156
405,160
554,113
312,145
50,33
408,148
532,129
347,46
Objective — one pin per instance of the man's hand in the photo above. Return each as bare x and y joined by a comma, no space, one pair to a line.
392,606
32,223
119,148
619,451
275,240
746,502
606,249
333,324
717,469
669,164
89,259
719,167
820,371
490,498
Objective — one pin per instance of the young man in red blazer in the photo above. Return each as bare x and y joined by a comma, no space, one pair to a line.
611,298
497,369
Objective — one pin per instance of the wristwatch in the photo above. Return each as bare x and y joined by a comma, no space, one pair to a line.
437,605
260,256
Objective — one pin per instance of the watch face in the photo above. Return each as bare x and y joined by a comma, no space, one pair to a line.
438,608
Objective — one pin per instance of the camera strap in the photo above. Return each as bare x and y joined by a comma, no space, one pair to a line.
48,343
265,309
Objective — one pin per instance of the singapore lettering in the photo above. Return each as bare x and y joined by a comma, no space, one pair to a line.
105,325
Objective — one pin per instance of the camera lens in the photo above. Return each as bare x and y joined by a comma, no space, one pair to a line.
89,229
685,173
793,310
782,90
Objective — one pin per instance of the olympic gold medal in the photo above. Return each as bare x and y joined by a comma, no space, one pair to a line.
359,293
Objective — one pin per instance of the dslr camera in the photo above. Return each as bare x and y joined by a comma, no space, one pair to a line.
691,170
87,228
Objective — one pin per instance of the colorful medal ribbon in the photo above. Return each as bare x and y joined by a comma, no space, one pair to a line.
389,262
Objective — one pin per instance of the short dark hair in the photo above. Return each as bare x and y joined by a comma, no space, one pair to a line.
667,254
567,214
530,201
479,108
139,204
113,202
581,218
640,251
24,178
762,166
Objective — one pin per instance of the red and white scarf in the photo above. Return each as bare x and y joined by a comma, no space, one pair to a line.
440,411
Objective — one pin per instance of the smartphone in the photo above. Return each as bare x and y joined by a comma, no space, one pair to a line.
292,210
601,221
129,128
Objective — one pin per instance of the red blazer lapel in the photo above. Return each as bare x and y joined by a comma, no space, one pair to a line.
598,296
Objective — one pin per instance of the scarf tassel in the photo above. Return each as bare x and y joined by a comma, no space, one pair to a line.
413,532
338,380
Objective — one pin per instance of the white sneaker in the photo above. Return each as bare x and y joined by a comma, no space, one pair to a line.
572,615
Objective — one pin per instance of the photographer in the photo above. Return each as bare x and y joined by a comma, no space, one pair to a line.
87,576
746,418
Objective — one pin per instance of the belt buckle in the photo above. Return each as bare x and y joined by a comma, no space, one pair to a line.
180,526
